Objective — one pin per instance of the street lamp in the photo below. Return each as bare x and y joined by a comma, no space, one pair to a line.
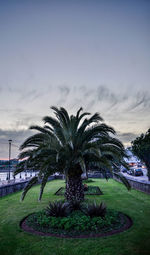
9,157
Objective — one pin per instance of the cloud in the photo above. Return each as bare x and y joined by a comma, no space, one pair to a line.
127,111
103,93
141,100
104,97
9,110
91,98
17,137
31,95
23,93
126,138
63,92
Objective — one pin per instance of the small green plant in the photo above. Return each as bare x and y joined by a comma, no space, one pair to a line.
58,209
76,222
75,205
95,210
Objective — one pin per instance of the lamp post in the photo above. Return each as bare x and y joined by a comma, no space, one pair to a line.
9,158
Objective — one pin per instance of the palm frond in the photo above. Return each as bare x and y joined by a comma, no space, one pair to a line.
31,182
70,143
43,183
95,118
20,167
62,116
41,129
57,129
82,164
123,179
33,141
78,112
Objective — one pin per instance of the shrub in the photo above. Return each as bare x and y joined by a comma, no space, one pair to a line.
77,222
58,209
95,210
75,205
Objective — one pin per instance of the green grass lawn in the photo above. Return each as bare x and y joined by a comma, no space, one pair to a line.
136,240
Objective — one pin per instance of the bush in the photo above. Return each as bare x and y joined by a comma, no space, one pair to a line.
76,222
95,210
58,209
75,205
39,219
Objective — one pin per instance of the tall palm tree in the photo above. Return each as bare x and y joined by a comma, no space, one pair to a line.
69,144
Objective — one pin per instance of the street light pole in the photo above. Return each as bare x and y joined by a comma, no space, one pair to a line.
9,157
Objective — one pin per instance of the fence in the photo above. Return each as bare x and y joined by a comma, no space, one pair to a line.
13,187
138,185
17,186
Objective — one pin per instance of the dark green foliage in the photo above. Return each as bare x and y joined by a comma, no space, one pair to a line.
39,218
141,148
58,209
69,144
75,205
31,183
75,223
95,210
123,179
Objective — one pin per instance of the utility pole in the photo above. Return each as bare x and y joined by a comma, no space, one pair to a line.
9,158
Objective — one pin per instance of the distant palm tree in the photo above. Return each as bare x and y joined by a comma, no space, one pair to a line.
69,144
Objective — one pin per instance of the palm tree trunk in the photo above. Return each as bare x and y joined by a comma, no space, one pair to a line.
74,189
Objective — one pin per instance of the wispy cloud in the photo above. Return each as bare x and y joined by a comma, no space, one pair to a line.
17,136
104,97
127,112
141,100
126,138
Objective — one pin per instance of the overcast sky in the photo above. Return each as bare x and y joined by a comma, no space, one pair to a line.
93,54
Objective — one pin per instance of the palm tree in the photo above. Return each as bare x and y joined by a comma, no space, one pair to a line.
69,144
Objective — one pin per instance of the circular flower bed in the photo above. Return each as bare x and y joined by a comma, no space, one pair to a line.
77,224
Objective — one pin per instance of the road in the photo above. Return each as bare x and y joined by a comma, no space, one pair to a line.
143,178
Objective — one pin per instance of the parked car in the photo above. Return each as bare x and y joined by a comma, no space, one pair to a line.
139,165
135,172
138,172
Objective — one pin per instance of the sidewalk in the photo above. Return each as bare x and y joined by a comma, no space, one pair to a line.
4,182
